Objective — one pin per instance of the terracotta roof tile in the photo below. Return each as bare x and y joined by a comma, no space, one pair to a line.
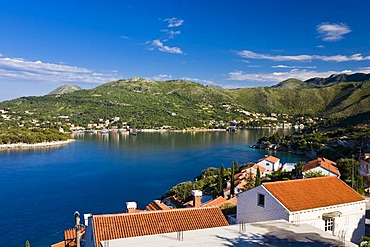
233,201
310,193
60,244
271,159
70,236
157,205
172,199
262,169
115,226
324,163
218,202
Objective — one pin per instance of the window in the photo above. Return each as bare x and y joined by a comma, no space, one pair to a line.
261,200
329,225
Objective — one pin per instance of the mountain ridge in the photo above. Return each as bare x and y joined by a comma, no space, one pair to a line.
183,104
66,88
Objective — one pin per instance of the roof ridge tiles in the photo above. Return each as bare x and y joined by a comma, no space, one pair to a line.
151,212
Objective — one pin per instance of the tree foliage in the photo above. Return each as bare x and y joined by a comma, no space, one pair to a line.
349,173
313,174
258,177
183,190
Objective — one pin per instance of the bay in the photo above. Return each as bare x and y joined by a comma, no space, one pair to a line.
41,189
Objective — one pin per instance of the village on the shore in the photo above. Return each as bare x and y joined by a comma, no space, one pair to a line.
258,205
73,124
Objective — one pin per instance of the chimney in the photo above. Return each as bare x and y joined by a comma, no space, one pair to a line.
78,230
131,207
86,218
197,194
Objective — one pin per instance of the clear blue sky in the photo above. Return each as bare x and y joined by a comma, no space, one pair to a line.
238,43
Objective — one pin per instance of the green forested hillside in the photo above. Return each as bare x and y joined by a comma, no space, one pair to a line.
182,104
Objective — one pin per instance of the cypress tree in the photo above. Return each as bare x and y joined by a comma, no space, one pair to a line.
232,185
222,174
258,177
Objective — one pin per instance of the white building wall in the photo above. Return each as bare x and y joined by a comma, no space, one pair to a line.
351,222
266,164
364,167
248,209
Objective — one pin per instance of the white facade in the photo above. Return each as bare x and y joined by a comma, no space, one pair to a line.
349,220
322,170
249,211
253,170
364,168
269,165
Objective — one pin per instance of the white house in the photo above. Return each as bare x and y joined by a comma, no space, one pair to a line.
252,169
364,164
288,167
323,165
270,163
326,203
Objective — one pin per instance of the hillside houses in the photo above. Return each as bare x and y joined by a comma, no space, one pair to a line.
252,170
322,206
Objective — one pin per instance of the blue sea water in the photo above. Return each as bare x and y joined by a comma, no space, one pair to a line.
40,189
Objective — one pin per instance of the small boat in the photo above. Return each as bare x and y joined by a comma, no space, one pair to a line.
133,132
104,132
91,131
78,132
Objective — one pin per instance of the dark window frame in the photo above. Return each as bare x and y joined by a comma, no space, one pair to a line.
261,200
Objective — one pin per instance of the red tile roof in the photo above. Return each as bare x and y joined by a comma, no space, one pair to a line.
233,201
218,202
60,244
156,205
255,166
115,226
324,163
302,194
70,238
271,159
172,200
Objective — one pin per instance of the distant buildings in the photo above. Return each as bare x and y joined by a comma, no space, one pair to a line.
323,209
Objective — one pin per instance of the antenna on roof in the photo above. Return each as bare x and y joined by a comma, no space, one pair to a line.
78,231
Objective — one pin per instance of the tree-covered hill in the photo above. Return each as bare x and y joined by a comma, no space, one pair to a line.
182,104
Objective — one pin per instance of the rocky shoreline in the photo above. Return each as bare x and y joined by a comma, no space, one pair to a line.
35,145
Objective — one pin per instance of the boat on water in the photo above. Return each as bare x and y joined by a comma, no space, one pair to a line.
91,131
78,132
133,132
104,132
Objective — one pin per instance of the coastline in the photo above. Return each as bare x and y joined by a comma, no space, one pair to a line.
180,130
183,130
36,145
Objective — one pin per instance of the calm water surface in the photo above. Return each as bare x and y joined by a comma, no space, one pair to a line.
41,189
